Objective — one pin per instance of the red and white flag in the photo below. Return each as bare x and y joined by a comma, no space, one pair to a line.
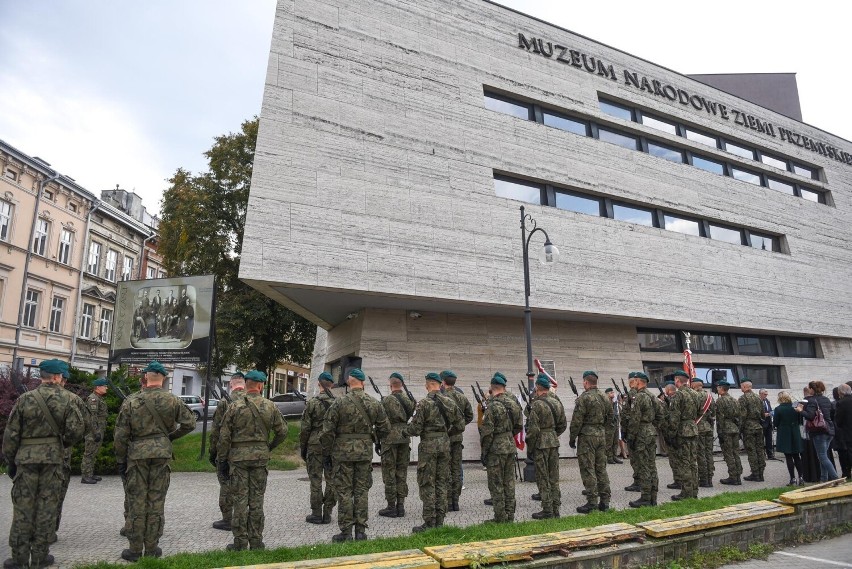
688,367
550,377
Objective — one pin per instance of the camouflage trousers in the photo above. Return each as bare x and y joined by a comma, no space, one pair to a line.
455,479
395,459
146,488
685,465
730,444
66,480
318,466
704,450
226,498
248,487
591,456
753,443
611,435
90,453
631,449
643,455
547,478
352,482
433,480
501,485
35,498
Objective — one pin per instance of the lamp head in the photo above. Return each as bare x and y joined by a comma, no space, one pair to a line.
549,253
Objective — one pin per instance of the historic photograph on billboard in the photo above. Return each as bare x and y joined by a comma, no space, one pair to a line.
167,320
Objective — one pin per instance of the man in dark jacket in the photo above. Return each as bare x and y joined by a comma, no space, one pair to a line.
843,429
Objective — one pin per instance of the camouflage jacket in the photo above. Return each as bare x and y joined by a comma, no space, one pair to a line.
627,409
219,417
312,421
463,403
727,415
643,415
546,422
592,412
98,412
751,412
138,435
246,428
683,411
429,424
500,423
705,425
81,405
29,437
399,409
348,433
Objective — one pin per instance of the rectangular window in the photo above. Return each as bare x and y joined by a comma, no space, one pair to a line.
40,237
514,189
708,165
765,242
94,257
508,106
56,309
31,308
48,195
727,234
768,377
616,110
565,123
798,347
682,225
127,268
746,176
578,203
11,174
151,273
65,241
621,139
739,150
86,319
811,196
780,186
711,375
5,219
757,345
701,137
665,152
633,214
72,207
106,324
710,343
658,124
111,263
658,341
774,162
805,171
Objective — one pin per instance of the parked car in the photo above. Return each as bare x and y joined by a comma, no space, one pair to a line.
196,405
290,404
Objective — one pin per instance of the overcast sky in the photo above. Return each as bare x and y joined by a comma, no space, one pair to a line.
117,92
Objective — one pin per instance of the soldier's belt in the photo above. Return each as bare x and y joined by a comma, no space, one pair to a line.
434,435
146,437
240,444
402,424
39,441
353,437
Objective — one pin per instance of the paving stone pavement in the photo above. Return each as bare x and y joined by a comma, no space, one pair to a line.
93,514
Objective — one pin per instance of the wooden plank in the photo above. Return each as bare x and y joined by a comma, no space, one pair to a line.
819,486
736,514
524,548
407,559
815,495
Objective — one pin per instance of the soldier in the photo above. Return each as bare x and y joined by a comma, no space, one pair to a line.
318,459
683,413
42,423
125,530
66,458
148,420
545,423
396,450
704,447
592,412
226,498
728,429
98,413
612,429
448,378
244,448
435,419
645,413
351,424
501,422
751,415
626,414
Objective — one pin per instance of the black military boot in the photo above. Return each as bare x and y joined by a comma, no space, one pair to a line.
454,506
130,555
536,497
153,552
326,514
236,546
542,515
705,484
224,525
400,508
678,497
360,533
586,508
344,535
759,476
585,492
11,564
389,512
488,501
674,486
632,488
423,527
97,478
88,480
257,545
46,562
603,506
751,477
640,503
731,481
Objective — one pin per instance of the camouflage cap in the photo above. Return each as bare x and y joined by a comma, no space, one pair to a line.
53,366
101,382
448,373
325,376
156,367
588,373
432,376
256,375
543,381
498,378
357,374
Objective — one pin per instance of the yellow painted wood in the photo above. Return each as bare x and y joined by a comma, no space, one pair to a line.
805,495
525,547
407,559
736,514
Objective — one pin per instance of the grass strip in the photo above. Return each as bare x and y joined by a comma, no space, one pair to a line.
449,534
186,449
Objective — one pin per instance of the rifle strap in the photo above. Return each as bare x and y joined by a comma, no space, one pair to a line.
48,416
363,411
409,410
264,428
156,416
443,412
704,408
552,409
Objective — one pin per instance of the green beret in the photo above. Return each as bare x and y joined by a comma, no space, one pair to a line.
744,379
448,373
681,373
256,376
723,383
238,373
156,367
397,375
498,379
608,390
100,382
543,381
641,375
66,374
632,374
432,376
588,373
53,366
325,376
668,382
696,380
357,374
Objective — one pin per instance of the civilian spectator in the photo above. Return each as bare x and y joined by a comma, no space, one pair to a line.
843,429
789,438
820,404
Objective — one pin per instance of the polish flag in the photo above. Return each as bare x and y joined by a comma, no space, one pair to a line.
550,377
688,367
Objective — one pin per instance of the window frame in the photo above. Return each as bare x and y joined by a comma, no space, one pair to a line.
63,255
127,270
106,322
759,337
94,259
56,314
110,265
41,237
31,306
86,321
506,99
6,220
783,350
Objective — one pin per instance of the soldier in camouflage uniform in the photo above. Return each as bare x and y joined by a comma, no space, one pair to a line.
66,458
612,429
645,413
448,378
626,414
592,412
545,422
317,459
704,448
42,423
728,429
683,412
98,413
500,423
125,530
352,423
144,431
751,422
226,498
396,449
243,452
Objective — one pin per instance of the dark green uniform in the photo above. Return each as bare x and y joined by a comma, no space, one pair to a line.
244,443
66,463
396,451
456,445
592,412
226,499
641,434
728,429
98,413
704,449
501,421
626,414
751,422
683,411
146,426
36,448
545,422
317,459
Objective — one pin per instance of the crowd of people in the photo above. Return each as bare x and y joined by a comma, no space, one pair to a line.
163,318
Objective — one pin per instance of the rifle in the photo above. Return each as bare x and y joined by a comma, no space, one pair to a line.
407,392
481,399
572,386
657,383
222,392
626,391
617,388
118,391
524,394
327,391
376,387
299,395
478,399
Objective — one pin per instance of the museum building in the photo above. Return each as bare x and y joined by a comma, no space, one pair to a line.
398,141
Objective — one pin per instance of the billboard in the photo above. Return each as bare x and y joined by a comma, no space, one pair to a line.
167,320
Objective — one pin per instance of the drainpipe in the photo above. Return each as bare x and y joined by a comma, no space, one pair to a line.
83,264
143,256
25,279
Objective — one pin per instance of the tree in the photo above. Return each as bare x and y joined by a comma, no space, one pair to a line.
201,232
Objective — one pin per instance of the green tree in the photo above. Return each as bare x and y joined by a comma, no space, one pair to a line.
201,232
